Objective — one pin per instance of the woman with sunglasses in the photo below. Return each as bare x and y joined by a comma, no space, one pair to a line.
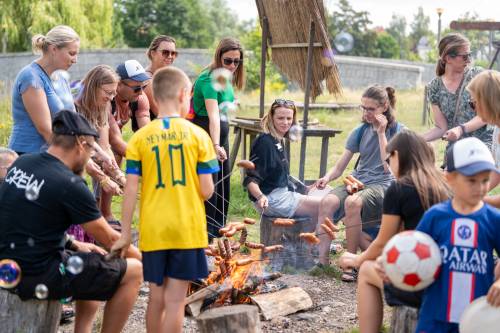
268,184
361,212
484,90
34,98
161,53
418,186
453,116
211,106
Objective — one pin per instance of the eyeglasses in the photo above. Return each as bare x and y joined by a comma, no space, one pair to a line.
110,94
472,104
136,89
168,53
365,109
284,102
465,56
229,61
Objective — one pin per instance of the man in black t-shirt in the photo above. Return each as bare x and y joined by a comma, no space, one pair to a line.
43,195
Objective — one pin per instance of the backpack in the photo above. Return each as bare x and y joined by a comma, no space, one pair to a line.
392,130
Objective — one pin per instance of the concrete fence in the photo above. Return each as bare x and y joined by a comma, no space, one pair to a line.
355,72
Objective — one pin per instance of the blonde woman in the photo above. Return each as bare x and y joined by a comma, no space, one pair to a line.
484,90
34,100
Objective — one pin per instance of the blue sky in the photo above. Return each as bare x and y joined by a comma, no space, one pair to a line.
381,10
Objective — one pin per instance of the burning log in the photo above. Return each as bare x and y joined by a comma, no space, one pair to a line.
255,246
248,220
309,237
272,248
254,281
284,222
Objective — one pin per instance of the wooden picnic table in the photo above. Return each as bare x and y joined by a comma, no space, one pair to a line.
248,128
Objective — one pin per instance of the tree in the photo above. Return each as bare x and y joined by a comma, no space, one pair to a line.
420,28
397,29
388,46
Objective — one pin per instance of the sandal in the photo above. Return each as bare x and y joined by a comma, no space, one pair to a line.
349,275
116,225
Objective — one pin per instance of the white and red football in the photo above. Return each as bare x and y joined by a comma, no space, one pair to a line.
411,260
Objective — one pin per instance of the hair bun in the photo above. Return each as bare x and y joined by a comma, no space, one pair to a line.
37,42
391,94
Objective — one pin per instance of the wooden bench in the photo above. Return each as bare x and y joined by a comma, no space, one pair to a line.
32,316
297,253
404,319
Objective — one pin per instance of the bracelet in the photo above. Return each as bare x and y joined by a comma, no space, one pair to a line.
462,127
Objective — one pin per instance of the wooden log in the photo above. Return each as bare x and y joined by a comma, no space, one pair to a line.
32,316
230,319
283,302
404,319
296,252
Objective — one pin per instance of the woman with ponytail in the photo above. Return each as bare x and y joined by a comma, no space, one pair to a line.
454,118
34,99
361,211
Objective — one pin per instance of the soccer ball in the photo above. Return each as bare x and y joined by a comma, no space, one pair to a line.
411,260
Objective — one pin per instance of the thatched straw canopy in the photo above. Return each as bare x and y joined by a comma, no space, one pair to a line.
289,23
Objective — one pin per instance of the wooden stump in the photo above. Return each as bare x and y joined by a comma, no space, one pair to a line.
230,319
296,253
33,316
404,319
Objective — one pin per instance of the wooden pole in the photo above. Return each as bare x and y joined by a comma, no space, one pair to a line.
306,101
263,56
426,106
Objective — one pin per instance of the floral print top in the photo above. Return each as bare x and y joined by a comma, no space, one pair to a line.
447,102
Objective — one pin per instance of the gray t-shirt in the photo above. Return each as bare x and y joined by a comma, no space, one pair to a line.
370,168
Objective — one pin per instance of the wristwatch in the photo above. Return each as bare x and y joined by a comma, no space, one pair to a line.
462,127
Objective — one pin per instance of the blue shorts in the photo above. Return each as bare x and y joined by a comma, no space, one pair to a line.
435,326
189,264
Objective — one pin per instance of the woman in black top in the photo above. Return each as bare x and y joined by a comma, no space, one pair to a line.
418,186
268,183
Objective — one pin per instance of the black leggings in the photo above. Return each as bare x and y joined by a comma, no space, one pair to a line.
215,206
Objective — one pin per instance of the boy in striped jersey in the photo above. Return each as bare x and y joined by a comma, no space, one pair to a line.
467,230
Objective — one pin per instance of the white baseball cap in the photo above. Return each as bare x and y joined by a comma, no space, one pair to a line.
469,157
132,70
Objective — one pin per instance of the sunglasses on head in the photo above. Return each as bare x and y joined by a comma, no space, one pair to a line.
229,61
284,102
465,56
136,89
168,53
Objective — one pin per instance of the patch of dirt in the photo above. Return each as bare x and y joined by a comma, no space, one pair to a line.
334,309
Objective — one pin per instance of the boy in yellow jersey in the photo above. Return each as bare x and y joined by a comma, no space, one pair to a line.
175,160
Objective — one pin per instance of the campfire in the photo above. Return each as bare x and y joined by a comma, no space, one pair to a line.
239,270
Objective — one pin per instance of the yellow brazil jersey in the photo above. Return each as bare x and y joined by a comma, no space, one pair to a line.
169,154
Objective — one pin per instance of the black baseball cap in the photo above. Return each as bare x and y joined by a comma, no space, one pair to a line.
72,123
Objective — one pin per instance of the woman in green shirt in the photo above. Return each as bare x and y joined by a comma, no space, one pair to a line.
211,105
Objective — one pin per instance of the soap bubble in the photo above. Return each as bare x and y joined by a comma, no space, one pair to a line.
295,132
10,273
221,78
41,291
74,265
32,193
12,246
344,42
31,242
227,110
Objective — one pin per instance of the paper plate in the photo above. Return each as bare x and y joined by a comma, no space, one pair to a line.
481,317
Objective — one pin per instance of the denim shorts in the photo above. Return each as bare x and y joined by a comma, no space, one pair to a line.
282,203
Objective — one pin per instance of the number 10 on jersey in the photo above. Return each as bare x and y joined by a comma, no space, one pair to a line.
177,165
